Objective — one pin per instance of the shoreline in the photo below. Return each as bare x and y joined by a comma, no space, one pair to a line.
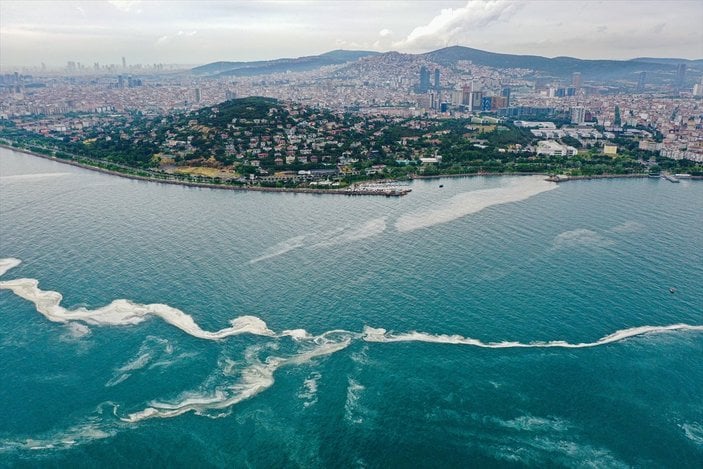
306,190
206,185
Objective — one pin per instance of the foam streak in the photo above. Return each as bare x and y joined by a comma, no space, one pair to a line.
466,203
257,377
380,335
121,312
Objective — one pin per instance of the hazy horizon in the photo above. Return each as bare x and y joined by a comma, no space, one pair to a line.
53,33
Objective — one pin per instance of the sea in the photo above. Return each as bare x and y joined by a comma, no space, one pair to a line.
475,322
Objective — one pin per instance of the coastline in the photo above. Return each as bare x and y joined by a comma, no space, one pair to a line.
295,190
306,190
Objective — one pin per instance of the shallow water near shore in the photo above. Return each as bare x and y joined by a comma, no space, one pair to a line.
493,321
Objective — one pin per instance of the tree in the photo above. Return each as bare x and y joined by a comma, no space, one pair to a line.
617,121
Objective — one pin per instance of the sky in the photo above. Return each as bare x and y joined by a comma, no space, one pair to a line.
182,32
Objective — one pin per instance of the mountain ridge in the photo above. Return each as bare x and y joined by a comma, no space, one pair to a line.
296,64
562,66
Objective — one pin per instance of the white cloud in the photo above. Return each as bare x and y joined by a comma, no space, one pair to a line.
457,25
125,5
55,31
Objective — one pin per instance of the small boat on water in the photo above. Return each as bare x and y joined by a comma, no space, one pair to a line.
672,290
441,185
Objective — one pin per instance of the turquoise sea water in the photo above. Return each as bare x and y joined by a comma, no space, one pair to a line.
491,322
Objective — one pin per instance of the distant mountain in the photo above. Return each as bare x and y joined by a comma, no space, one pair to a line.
654,60
264,67
560,67
557,66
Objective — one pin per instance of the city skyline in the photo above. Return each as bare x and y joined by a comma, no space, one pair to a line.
54,33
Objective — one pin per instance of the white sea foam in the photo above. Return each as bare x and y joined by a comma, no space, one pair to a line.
380,335
354,390
78,330
693,432
255,378
531,423
83,433
7,264
174,359
124,312
75,331
30,177
151,349
297,334
555,451
629,226
460,205
370,228
581,237
334,237
281,248
308,393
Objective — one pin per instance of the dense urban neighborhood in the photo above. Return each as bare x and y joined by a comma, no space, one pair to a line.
362,116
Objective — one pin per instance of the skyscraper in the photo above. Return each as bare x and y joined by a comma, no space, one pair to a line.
576,80
476,100
698,88
424,80
506,94
124,63
197,95
467,95
436,78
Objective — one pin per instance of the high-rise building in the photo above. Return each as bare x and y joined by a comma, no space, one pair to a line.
505,93
698,88
576,80
680,75
476,100
424,80
120,81
456,97
641,80
229,94
124,63
433,100
197,95
578,115
467,94
436,78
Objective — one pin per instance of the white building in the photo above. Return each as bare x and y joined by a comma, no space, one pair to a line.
552,148
535,125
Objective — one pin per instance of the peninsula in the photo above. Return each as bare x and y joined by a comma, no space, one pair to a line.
266,144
